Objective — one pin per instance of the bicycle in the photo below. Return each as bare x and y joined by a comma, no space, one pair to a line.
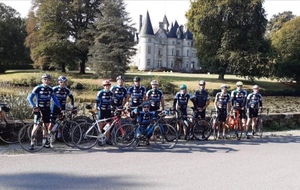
86,135
259,124
164,135
201,129
234,124
9,125
214,120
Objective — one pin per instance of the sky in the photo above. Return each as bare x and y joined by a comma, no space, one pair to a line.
173,9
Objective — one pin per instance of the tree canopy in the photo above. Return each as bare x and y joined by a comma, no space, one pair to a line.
12,37
229,36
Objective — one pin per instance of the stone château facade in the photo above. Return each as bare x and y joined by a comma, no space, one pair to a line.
169,48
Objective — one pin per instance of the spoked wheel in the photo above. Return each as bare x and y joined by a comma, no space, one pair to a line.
259,128
125,138
26,139
11,130
202,130
215,128
85,136
67,129
165,136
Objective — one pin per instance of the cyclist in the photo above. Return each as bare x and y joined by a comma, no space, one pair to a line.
223,106
201,100
136,94
119,93
104,105
180,103
155,97
61,91
238,101
145,120
43,94
254,105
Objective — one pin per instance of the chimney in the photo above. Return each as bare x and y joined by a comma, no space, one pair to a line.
141,22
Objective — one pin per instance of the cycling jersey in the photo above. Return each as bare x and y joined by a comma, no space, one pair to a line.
104,100
222,100
119,93
238,98
254,101
136,94
61,94
43,95
200,98
145,118
181,100
154,96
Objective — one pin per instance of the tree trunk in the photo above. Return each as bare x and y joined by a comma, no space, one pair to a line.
221,76
63,67
82,66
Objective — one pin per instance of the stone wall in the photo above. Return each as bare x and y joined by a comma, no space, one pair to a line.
287,120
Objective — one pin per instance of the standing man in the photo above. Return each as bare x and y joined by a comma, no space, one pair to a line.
155,97
119,93
201,100
254,105
136,94
104,105
43,94
61,91
238,101
180,103
222,105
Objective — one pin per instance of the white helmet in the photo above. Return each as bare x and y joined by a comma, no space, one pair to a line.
224,86
154,82
255,87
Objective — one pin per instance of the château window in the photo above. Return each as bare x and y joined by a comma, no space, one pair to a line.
187,52
149,49
172,64
177,52
172,51
148,62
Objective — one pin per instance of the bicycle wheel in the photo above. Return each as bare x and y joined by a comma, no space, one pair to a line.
165,136
25,138
202,130
66,131
85,135
215,127
125,138
11,130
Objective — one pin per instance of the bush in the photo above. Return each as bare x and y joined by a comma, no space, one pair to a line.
77,86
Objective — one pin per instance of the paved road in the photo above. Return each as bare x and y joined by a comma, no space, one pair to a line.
269,163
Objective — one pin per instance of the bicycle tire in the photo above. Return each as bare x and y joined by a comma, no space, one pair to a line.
125,137
85,135
259,127
82,119
202,130
215,127
165,136
66,132
11,130
24,138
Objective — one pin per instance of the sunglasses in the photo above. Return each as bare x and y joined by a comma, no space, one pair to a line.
45,79
239,86
146,107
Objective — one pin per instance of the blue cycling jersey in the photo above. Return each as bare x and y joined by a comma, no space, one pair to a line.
62,94
154,96
104,100
222,100
119,93
181,99
201,97
145,118
238,98
136,95
43,95
254,100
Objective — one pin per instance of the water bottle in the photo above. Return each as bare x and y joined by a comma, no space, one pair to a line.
167,112
106,127
54,127
186,123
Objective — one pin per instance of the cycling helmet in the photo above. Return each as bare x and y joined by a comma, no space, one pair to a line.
106,82
146,104
255,87
154,82
120,78
46,76
224,86
62,79
136,79
202,82
183,86
239,83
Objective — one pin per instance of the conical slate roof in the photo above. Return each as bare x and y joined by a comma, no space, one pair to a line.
147,28
172,33
188,35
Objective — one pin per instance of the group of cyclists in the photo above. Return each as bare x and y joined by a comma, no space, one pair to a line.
144,105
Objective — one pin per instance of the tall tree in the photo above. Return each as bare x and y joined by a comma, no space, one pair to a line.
114,40
286,42
229,34
12,37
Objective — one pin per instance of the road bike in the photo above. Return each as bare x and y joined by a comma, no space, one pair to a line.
9,125
129,136
233,125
